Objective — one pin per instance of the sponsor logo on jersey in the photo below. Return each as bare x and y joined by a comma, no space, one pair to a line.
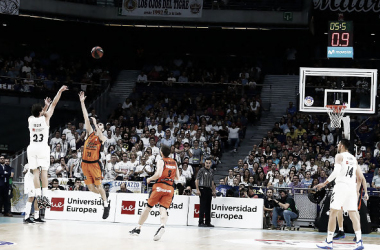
57,204
128,207
163,190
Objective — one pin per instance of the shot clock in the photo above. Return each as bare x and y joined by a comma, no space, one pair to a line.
340,39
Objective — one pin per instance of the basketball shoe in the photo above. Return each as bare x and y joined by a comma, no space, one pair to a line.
135,231
326,245
359,245
159,233
339,235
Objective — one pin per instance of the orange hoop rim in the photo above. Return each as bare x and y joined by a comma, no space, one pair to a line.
336,108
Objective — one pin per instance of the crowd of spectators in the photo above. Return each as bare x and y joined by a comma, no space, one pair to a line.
299,152
38,75
195,127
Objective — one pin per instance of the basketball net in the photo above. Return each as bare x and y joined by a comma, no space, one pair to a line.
335,113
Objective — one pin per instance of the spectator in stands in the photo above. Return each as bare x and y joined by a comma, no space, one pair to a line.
286,208
74,165
296,184
285,170
142,77
55,185
229,178
362,165
233,136
261,179
123,188
291,109
64,144
62,169
57,153
56,140
124,168
328,157
371,161
376,181
78,185
322,178
300,131
281,183
181,182
187,171
295,163
327,138
52,168
307,181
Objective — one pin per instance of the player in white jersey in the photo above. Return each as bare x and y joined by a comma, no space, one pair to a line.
38,150
344,196
30,190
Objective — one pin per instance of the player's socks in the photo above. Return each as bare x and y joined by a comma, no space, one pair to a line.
44,191
329,236
358,235
341,229
105,203
138,227
28,207
36,214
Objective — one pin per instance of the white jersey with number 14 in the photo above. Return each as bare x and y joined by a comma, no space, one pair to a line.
347,172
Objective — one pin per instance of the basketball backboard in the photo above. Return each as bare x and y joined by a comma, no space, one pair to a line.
354,88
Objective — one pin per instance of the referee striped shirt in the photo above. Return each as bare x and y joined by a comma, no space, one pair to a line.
205,177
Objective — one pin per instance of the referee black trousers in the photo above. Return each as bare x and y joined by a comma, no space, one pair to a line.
205,205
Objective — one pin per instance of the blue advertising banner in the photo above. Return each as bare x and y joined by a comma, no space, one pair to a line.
340,52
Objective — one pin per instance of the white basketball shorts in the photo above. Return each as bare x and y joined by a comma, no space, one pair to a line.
344,196
38,156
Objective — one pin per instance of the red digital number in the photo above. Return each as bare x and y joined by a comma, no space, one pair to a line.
340,39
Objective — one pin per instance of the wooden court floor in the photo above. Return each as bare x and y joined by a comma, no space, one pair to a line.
55,234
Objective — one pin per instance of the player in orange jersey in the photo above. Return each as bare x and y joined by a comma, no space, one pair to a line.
91,166
162,191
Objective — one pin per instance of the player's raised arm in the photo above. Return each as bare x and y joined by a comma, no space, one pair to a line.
98,131
50,111
87,124
47,104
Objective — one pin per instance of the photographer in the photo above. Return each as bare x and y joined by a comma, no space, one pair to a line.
188,191
285,207
269,204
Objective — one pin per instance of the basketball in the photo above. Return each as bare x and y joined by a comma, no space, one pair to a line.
97,52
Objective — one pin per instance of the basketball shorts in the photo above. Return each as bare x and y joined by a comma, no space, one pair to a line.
162,194
92,173
344,196
38,156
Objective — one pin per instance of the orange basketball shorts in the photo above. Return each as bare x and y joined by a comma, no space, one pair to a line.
162,194
92,173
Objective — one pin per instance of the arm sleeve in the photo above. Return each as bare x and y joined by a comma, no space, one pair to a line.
335,173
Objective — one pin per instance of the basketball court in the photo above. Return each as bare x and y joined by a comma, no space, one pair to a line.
60,234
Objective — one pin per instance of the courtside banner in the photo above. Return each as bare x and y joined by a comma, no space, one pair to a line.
133,186
230,212
163,8
130,206
79,205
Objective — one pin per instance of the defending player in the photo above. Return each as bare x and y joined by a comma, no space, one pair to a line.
38,150
361,181
344,195
91,166
162,191
30,190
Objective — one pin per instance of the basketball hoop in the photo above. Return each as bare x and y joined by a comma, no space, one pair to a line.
335,113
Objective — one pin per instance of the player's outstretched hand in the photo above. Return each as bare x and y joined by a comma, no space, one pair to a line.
63,88
47,101
82,97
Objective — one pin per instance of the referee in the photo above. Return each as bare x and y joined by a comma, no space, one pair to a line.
205,189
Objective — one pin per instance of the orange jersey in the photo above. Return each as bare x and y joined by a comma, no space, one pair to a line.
92,147
169,171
